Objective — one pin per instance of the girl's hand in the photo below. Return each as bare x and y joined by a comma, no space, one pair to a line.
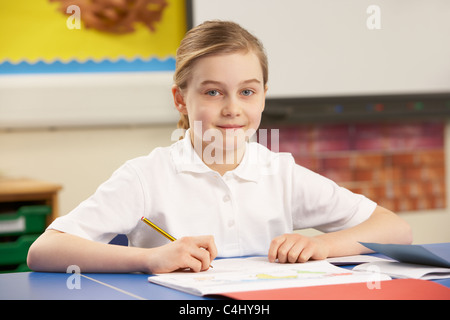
294,247
195,253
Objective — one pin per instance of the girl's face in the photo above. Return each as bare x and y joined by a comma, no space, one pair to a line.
225,95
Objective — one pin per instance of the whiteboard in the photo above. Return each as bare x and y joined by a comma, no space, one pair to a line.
326,48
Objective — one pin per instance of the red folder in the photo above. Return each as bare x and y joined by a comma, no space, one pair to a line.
398,289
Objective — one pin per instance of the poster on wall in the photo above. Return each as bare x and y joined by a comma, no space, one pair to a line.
72,63
58,36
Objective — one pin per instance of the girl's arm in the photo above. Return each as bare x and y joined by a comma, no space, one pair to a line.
383,226
54,251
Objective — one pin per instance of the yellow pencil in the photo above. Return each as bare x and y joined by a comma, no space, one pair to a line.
154,226
164,233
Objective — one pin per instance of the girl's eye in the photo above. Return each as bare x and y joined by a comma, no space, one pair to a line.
213,93
247,92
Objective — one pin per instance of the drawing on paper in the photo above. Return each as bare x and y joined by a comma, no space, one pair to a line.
283,274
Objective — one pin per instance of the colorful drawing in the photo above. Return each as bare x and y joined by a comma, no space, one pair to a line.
281,274
115,16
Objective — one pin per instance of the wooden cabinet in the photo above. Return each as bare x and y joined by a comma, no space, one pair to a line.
27,207
16,192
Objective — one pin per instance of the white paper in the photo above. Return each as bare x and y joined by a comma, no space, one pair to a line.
257,273
356,259
405,270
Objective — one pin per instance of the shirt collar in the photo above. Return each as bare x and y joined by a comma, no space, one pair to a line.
248,169
187,160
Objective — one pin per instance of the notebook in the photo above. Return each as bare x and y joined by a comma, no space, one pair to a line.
257,273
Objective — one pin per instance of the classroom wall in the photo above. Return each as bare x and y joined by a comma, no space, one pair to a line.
81,159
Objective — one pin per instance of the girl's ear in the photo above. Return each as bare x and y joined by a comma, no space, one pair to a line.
178,99
265,93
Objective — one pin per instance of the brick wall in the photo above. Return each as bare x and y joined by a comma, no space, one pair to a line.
399,165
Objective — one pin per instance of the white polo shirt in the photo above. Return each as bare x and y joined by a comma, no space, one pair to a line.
265,196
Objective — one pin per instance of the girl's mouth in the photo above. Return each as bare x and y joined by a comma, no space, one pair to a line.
231,126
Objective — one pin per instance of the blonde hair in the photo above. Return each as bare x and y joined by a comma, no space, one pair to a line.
214,37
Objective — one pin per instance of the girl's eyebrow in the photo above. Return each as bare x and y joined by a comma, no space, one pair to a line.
213,82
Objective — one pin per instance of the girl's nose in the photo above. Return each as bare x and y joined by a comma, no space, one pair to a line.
231,108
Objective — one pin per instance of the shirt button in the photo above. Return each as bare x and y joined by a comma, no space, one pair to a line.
230,223
226,198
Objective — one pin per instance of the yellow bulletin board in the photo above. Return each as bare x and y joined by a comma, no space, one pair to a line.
43,36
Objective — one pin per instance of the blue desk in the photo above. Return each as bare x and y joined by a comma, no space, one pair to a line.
43,286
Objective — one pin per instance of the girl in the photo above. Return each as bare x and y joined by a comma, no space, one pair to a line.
220,194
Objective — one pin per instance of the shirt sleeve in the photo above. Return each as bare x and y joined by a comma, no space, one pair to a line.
320,203
115,208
